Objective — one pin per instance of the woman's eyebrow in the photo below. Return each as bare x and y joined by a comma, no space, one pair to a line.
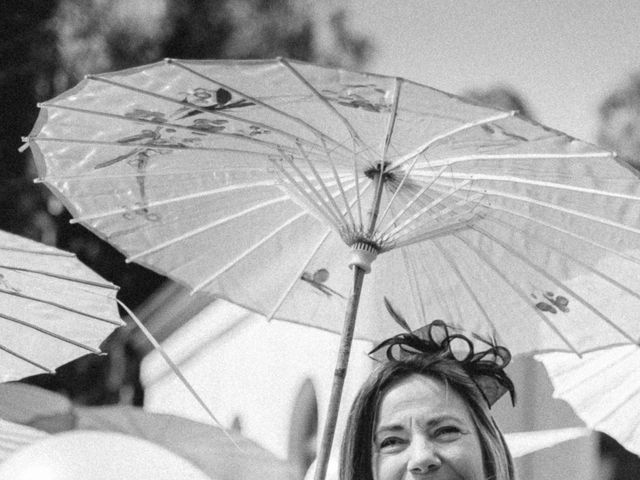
390,428
445,418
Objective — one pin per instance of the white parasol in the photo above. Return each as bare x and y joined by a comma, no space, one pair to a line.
53,308
603,388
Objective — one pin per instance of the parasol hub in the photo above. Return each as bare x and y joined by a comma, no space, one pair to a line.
362,256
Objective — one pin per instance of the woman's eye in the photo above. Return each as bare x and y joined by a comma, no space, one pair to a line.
448,433
390,442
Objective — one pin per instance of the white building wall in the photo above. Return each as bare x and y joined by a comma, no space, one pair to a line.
253,371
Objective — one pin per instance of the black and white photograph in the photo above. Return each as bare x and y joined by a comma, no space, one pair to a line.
319,240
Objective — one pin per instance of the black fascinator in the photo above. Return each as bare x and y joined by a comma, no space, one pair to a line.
485,368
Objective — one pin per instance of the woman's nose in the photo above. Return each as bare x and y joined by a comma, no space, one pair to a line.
423,458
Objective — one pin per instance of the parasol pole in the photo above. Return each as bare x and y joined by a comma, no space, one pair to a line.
363,253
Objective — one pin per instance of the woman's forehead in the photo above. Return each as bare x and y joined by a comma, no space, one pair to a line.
423,397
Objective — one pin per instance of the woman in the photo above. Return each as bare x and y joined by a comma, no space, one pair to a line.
424,412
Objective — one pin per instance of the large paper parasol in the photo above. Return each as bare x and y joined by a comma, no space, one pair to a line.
261,181
53,308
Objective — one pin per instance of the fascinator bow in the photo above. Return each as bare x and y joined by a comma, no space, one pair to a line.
485,368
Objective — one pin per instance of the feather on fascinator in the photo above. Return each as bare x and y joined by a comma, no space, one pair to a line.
485,368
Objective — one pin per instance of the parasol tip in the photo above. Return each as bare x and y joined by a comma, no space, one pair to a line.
25,144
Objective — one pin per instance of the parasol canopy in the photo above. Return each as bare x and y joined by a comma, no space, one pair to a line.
603,388
254,180
53,308
98,456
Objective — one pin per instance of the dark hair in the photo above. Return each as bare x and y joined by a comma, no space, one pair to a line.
356,454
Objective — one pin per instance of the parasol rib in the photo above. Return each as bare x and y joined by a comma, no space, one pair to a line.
567,232
191,129
124,210
177,371
517,156
50,333
160,146
422,148
305,194
556,282
204,228
61,253
408,204
356,176
62,307
392,119
396,231
202,346
416,294
465,284
340,186
574,259
322,183
537,183
61,277
428,270
323,203
435,233
399,188
158,203
296,279
247,252
373,213
518,291
433,223
287,177
147,174
198,108
326,102
577,213
257,102
602,367
625,400
25,359
443,210
458,218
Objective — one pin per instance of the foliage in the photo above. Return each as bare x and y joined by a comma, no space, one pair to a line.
620,121
501,97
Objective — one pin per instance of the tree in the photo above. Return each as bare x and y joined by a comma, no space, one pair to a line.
620,121
501,96
52,45
27,66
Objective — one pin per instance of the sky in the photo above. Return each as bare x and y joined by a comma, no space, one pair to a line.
562,56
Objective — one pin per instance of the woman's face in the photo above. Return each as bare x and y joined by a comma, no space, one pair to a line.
425,431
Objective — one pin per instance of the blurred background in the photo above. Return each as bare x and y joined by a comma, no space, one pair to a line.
574,66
